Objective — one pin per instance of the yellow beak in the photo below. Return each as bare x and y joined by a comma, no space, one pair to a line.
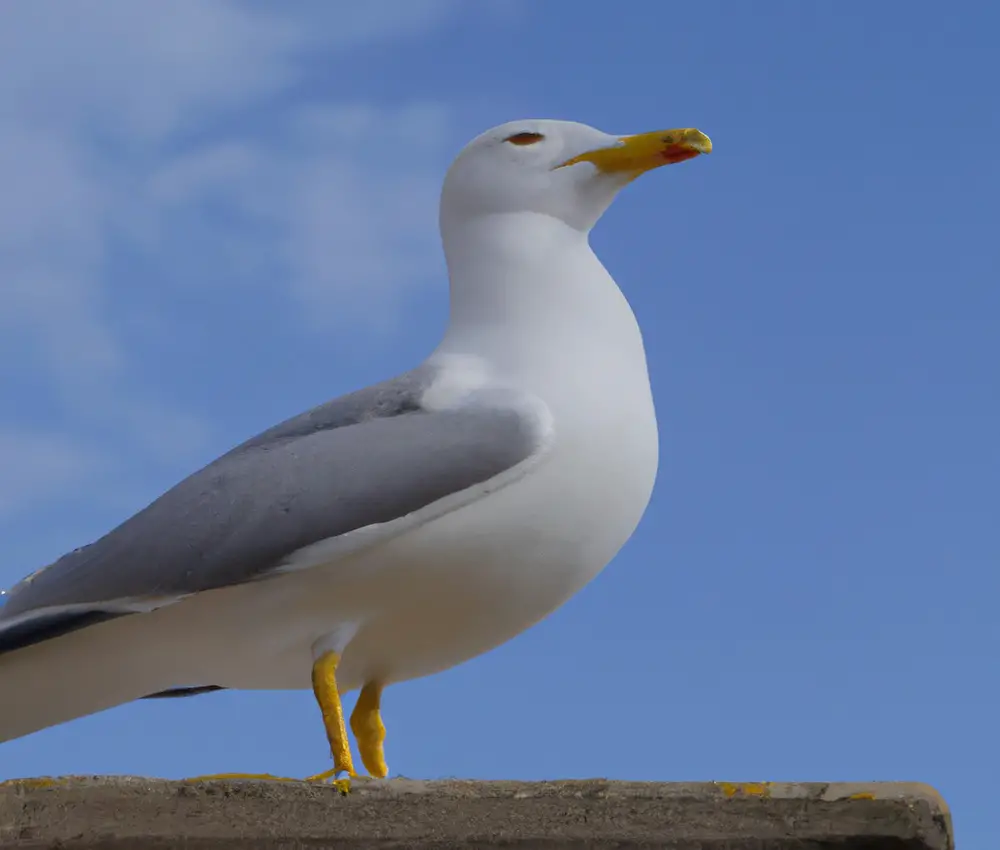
636,154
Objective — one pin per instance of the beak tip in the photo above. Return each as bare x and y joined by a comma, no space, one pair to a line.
700,142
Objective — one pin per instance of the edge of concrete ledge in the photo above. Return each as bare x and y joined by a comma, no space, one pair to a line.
122,811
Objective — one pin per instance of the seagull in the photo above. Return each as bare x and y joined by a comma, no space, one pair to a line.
404,528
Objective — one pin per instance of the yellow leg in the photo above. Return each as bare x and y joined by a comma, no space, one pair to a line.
366,723
324,680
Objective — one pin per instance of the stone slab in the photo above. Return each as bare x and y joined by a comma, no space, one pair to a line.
113,813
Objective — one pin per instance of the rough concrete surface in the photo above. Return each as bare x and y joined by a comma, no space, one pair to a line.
126,812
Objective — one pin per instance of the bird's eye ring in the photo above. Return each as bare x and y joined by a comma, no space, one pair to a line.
522,139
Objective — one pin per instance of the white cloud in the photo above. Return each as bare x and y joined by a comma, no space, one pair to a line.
37,465
112,117
130,69
346,200
51,244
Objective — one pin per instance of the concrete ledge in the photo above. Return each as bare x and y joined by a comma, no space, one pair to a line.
126,812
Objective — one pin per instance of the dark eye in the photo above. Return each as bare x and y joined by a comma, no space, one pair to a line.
524,138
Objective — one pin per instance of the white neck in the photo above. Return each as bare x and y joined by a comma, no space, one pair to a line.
531,277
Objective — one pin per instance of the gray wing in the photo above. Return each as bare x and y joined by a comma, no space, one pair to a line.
364,459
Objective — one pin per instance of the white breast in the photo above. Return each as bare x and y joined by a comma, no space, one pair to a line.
493,568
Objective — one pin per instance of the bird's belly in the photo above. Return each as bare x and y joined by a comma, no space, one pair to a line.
456,587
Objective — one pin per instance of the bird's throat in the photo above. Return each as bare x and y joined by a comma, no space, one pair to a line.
530,279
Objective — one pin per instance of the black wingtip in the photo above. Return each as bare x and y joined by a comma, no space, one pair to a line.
50,625
174,693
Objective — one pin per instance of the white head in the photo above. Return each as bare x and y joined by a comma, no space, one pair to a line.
562,169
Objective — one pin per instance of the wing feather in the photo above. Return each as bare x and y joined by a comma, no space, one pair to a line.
334,470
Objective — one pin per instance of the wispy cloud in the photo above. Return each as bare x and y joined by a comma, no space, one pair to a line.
36,465
343,219
117,128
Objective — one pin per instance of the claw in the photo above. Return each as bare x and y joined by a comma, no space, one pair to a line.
343,785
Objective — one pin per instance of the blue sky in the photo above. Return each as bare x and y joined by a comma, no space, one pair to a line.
216,215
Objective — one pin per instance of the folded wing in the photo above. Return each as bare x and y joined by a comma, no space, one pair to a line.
364,461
